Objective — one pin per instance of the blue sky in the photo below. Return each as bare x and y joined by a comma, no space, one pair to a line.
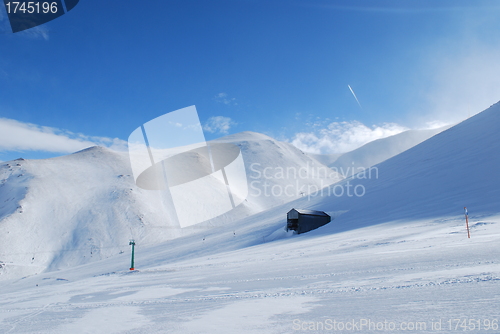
278,67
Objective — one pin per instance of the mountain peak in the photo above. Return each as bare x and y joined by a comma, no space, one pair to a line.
94,149
244,136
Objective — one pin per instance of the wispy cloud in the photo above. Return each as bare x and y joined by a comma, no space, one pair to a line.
19,136
431,125
463,84
225,99
218,124
408,7
341,137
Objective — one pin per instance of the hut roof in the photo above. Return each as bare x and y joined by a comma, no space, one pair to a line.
311,212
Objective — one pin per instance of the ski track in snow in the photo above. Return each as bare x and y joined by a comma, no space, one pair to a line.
265,288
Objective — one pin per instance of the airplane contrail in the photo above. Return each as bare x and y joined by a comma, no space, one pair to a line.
354,96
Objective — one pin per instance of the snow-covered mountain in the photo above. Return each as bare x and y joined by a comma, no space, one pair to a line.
271,163
398,258
326,159
439,177
81,208
376,151
83,203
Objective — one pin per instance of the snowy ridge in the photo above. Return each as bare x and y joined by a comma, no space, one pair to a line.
398,255
270,162
438,177
380,150
85,206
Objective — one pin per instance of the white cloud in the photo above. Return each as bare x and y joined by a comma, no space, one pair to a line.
218,124
223,98
464,84
435,125
341,137
459,74
19,136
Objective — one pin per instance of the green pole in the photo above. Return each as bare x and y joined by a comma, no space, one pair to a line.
132,242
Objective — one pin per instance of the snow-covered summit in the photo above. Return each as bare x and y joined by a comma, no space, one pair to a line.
85,206
244,136
439,177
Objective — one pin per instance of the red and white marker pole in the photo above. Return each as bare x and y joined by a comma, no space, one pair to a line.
467,221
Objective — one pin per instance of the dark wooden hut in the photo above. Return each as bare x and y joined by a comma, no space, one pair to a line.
303,221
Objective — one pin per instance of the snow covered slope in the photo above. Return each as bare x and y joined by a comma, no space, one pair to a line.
399,259
272,165
376,151
438,177
83,203
326,159
83,207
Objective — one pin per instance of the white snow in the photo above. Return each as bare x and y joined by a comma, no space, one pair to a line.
399,254
376,151
81,208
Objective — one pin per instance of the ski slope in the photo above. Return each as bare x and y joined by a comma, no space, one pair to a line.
419,271
397,258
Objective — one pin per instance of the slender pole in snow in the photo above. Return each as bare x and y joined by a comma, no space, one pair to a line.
132,242
467,221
